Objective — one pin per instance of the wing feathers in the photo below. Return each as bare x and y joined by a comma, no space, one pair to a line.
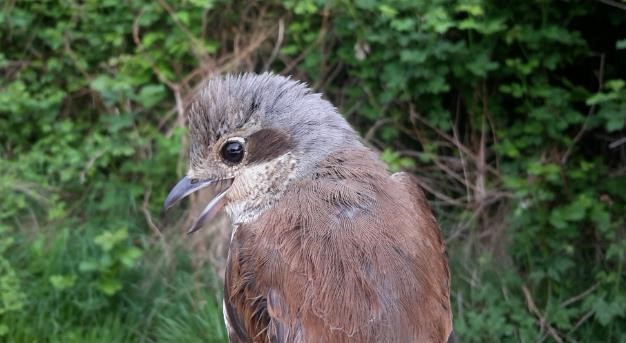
350,255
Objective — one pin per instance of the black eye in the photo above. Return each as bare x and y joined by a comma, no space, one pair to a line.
232,152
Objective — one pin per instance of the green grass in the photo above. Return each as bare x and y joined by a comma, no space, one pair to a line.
161,299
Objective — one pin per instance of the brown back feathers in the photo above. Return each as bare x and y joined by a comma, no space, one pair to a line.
348,254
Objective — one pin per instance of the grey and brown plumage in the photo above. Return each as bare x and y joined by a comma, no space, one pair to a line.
327,246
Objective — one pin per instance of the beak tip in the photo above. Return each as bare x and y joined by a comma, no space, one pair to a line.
183,188
193,229
168,203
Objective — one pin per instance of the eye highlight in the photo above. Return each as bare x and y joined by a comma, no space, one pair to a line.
232,151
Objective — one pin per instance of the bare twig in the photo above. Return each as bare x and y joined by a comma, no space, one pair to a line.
94,157
482,150
372,131
464,226
320,38
581,321
155,229
615,4
180,107
617,143
467,151
277,45
543,323
183,28
457,142
136,38
579,296
592,110
436,193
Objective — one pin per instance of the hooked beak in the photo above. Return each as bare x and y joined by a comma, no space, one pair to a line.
186,186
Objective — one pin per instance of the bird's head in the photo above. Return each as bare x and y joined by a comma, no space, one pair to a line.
253,136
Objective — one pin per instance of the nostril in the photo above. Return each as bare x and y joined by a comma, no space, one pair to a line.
193,181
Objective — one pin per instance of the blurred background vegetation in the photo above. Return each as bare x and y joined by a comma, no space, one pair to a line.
511,113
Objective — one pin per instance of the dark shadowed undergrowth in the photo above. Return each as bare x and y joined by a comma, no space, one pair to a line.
511,114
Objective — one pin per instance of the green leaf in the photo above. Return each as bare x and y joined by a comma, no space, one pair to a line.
473,9
438,20
109,239
129,256
88,266
61,282
151,95
109,286
616,250
605,311
206,4
387,11
615,85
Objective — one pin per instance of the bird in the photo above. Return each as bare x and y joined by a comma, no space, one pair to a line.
327,245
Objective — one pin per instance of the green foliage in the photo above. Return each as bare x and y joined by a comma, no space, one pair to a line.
87,148
11,295
114,259
395,161
511,114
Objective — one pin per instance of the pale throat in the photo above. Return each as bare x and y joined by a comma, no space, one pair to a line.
257,188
